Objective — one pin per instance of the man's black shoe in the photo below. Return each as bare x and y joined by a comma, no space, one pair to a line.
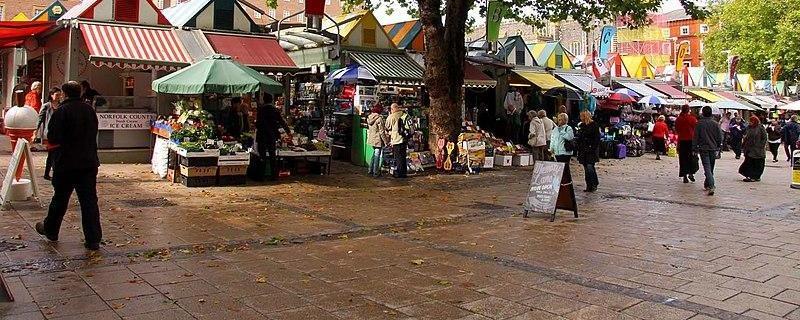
47,177
94,246
691,177
40,230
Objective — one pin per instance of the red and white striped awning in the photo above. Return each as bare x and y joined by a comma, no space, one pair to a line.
134,46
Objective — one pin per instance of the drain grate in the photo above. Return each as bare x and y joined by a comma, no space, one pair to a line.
485,206
148,203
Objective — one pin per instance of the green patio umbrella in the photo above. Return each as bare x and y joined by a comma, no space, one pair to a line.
216,74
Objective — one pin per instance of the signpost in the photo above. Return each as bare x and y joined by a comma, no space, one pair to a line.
22,150
548,191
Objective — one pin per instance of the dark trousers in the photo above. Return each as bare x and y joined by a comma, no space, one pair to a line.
567,176
709,160
752,168
789,147
84,183
269,152
687,160
48,164
773,148
399,152
736,146
591,175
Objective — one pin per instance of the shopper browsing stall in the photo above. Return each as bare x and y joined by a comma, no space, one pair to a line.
536,136
269,125
377,138
237,122
562,143
660,131
396,127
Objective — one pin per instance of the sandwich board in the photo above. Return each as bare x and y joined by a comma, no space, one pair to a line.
549,190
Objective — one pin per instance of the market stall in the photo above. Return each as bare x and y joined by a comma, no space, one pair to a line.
201,145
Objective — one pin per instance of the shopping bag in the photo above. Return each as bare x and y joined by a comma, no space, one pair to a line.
672,151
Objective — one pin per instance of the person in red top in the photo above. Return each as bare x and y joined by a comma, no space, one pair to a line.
687,160
33,98
660,131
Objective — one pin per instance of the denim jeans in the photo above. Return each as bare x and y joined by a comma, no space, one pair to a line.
377,161
591,175
709,158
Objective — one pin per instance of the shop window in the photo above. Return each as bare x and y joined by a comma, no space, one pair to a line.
369,37
685,30
703,28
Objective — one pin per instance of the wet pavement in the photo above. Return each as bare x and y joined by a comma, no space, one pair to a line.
346,246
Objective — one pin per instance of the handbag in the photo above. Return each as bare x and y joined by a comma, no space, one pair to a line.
569,145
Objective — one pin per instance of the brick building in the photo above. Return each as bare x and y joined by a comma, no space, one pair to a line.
31,8
685,29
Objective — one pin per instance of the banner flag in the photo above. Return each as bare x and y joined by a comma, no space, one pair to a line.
606,38
683,49
494,16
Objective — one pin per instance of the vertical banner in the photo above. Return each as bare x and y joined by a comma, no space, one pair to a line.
494,16
598,66
606,39
776,72
733,62
683,49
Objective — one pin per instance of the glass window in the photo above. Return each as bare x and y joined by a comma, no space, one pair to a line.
257,14
272,13
286,13
704,28
685,31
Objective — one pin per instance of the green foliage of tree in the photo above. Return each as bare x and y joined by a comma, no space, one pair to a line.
755,30
446,21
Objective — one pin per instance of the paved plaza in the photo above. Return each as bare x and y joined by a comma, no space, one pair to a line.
347,246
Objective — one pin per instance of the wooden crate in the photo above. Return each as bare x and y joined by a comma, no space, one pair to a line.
239,170
193,182
198,171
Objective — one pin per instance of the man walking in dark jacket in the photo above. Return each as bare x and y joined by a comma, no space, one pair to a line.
268,125
790,131
707,142
73,130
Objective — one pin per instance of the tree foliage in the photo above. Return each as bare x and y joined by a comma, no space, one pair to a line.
757,31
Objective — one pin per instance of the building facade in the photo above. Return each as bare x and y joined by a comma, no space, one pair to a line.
684,29
30,8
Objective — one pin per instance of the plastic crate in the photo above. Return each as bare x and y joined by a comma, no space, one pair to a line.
199,161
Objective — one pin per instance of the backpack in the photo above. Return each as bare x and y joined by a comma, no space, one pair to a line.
406,127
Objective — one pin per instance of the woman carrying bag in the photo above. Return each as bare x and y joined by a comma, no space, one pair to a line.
536,136
754,148
589,150
377,138
562,143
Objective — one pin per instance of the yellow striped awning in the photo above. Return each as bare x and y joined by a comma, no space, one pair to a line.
543,80
707,95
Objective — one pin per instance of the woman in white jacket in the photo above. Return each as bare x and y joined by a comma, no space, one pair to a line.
537,138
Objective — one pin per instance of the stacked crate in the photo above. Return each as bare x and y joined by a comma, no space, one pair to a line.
198,169
233,169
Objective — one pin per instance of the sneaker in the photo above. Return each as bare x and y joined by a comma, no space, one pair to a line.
94,246
40,230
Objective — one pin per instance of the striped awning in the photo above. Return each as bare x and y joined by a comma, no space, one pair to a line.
642,89
706,95
391,68
134,46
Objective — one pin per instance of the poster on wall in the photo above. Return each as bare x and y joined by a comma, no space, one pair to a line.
124,121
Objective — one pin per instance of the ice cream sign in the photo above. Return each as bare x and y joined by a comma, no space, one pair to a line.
124,121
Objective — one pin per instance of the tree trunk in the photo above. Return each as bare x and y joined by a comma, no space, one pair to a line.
444,69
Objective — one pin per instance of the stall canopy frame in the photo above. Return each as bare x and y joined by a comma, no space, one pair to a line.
391,68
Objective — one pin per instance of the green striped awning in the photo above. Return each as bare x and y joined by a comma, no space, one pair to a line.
390,68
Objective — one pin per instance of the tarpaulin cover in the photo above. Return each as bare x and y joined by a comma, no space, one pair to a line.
216,74
13,33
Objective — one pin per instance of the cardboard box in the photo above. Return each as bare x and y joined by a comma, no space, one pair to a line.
522,160
198,171
488,163
192,182
501,160
240,170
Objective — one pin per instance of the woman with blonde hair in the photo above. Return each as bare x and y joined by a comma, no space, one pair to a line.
562,144
589,149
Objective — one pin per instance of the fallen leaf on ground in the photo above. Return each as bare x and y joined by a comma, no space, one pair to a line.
417,262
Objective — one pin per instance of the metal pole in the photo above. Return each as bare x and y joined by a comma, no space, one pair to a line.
338,37
284,18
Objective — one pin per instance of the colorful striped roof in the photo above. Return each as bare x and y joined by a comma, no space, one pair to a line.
404,33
